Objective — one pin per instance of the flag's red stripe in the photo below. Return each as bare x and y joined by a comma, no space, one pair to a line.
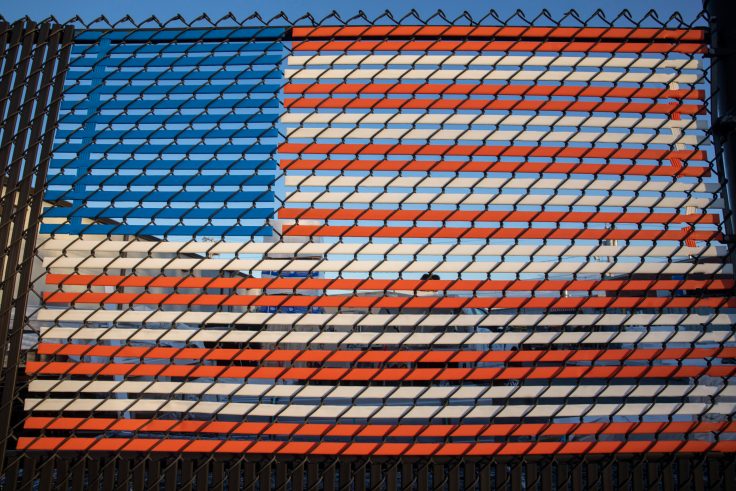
494,105
376,374
381,356
370,302
77,444
494,216
509,167
511,46
513,32
496,233
373,430
495,89
383,285
520,151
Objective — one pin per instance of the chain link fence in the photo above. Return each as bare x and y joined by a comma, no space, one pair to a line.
350,253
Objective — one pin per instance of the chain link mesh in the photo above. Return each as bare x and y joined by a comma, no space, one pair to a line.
408,251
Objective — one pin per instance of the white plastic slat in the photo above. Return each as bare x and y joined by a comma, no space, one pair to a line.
487,135
309,411
588,266
323,119
469,321
565,60
465,198
647,76
571,183
479,340
368,395
54,247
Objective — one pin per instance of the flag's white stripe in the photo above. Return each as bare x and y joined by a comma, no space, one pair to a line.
373,413
420,118
432,135
584,266
392,321
362,394
52,247
569,182
643,77
663,337
566,60
520,198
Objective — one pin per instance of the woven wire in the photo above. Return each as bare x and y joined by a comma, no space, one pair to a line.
243,254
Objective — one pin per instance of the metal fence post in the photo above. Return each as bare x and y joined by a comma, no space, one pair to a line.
722,17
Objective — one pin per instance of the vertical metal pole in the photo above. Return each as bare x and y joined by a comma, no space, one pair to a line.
722,15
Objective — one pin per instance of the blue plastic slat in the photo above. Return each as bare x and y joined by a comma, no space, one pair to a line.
194,164
166,149
172,134
208,196
160,104
146,180
181,35
163,213
170,118
157,230
243,74
183,47
179,89
184,60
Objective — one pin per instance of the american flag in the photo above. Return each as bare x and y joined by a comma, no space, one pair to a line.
387,240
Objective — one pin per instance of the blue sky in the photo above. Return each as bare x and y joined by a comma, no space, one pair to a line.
38,9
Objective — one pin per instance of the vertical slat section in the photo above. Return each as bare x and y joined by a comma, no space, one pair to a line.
46,474
234,476
250,476
391,481
517,470
453,477
376,476
11,475
470,478
187,474
264,475
203,475
715,474
108,479
422,477
78,469
22,200
297,476
484,476
407,475
139,474
502,476
29,473
12,89
123,476
439,473
698,474
532,473
171,475
576,468
153,476
729,472
313,477
14,122
329,475
218,475
345,475
281,476
359,484
93,473
62,473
